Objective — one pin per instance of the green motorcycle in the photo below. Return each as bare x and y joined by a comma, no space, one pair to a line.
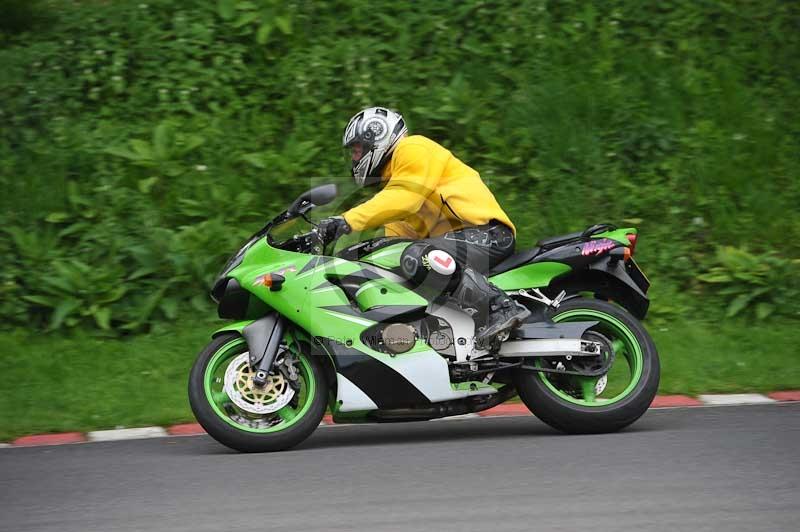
348,333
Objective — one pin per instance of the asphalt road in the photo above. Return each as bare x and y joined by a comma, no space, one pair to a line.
724,468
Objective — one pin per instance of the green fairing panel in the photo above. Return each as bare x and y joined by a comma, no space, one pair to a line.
618,234
388,257
382,292
533,275
306,296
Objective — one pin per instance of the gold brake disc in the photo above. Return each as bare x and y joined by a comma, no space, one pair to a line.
274,395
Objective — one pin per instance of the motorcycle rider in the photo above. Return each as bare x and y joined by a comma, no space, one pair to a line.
429,195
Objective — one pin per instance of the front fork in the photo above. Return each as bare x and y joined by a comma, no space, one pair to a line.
263,338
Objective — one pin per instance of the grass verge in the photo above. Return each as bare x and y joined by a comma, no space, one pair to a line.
81,383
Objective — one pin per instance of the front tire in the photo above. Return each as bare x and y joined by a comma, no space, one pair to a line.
237,424
587,405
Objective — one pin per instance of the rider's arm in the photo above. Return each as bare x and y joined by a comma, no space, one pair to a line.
401,229
411,182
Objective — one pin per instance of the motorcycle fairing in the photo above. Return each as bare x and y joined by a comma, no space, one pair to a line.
314,295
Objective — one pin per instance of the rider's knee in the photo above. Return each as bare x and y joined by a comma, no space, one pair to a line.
425,265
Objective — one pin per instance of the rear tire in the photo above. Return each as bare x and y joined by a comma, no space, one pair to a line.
225,424
560,403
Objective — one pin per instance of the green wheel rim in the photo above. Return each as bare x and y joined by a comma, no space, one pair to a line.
626,348
282,418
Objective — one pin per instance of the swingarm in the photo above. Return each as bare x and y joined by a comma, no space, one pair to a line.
549,347
547,339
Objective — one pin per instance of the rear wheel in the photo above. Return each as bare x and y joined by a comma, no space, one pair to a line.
595,404
248,418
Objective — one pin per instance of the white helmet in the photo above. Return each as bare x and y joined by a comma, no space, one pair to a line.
378,130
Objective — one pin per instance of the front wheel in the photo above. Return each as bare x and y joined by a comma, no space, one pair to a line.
247,418
606,403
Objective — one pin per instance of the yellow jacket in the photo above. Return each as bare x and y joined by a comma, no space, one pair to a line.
428,193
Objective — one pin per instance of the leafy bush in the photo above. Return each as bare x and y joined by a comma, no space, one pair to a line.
141,140
760,285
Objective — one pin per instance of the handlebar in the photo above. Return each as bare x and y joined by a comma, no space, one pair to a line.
310,241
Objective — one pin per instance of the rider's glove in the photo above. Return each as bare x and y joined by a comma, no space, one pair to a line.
332,228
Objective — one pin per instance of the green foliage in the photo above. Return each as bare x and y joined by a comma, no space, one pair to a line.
19,15
760,285
142,140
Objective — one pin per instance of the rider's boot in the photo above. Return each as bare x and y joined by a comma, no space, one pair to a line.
494,311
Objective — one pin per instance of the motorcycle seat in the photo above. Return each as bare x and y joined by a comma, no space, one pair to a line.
515,260
559,240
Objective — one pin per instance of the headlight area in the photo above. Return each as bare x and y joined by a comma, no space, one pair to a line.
236,303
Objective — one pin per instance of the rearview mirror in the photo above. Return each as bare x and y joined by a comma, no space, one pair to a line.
316,196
